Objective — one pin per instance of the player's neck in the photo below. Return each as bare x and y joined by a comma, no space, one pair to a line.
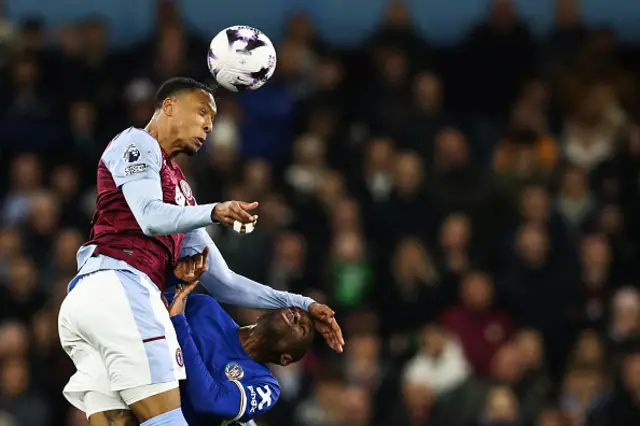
167,142
249,342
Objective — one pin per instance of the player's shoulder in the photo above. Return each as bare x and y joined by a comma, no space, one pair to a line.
132,145
249,371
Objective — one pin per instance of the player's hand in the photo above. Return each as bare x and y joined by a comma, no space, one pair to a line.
189,269
179,303
235,214
325,323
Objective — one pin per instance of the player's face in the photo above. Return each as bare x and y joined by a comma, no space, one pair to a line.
290,330
296,324
195,112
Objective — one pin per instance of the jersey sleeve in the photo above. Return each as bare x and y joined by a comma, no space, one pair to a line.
155,217
133,155
260,397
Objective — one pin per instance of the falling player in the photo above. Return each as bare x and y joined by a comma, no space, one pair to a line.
228,381
113,323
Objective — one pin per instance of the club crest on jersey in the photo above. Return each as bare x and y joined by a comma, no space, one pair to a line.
131,153
233,371
179,357
186,189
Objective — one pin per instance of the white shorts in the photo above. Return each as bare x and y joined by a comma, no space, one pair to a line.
117,330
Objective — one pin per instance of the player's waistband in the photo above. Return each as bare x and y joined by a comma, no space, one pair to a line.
100,262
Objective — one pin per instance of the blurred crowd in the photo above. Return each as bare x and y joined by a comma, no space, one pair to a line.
472,212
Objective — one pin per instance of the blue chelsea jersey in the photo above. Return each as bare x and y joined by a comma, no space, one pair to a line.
224,385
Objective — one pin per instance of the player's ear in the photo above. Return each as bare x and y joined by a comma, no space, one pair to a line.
168,106
285,359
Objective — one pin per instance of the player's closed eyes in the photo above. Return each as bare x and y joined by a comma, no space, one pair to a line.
297,323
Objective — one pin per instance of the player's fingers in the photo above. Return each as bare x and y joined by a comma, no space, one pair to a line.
205,256
198,261
329,336
241,215
179,270
244,215
338,332
248,206
333,341
228,221
177,294
191,268
336,345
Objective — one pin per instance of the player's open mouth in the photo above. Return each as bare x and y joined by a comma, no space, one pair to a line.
201,141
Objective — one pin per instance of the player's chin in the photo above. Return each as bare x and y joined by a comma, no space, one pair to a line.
191,150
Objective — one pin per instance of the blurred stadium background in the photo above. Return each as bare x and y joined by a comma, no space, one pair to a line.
460,180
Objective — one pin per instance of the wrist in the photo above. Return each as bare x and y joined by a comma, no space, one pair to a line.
309,304
177,317
213,215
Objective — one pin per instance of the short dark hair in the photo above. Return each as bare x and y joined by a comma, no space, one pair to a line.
178,84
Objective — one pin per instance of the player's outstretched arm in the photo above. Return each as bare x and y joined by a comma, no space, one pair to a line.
134,160
234,289
155,217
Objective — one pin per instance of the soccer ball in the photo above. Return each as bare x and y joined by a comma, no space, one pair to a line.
241,58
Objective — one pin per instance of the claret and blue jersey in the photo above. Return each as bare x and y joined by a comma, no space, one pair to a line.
146,219
224,385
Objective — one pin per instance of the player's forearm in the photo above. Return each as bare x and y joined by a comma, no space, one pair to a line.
234,289
155,217
237,290
206,395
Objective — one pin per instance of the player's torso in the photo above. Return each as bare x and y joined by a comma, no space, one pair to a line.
116,232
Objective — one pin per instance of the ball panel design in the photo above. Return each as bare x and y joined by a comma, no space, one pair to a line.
241,58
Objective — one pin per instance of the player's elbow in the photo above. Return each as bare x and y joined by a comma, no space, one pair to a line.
149,230
153,227
211,407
